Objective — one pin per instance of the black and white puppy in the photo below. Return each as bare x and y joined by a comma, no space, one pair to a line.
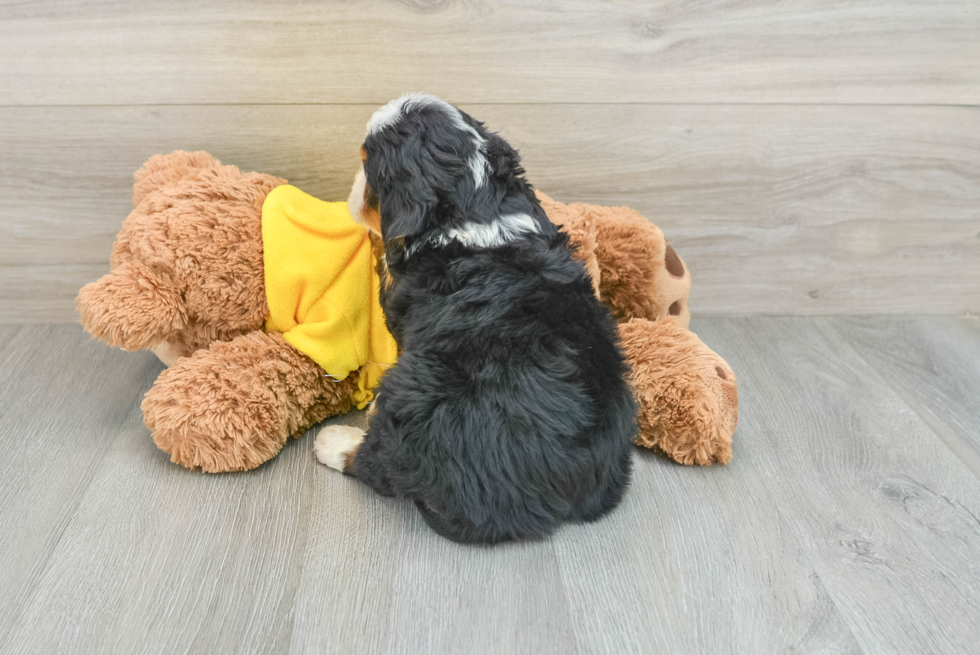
508,411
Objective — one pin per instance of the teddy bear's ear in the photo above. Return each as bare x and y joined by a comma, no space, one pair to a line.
131,308
165,169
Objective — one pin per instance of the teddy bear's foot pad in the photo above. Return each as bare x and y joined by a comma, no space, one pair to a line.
687,394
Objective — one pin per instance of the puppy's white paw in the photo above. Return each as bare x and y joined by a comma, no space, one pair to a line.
334,443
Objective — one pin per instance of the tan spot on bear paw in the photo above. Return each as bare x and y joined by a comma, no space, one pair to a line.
673,263
335,445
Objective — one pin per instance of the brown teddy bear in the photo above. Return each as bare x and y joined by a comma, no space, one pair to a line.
187,282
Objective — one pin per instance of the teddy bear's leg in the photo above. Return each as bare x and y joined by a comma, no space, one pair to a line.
642,276
637,273
232,406
687,395
131,308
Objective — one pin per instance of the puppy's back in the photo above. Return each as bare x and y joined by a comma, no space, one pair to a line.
521,411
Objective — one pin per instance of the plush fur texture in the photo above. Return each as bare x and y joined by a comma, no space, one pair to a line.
628,258
232,406
687,394
187,277
508,411
187,264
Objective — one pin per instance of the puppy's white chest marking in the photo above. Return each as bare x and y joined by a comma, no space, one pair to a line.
503,230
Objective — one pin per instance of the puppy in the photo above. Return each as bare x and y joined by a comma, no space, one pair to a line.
508,411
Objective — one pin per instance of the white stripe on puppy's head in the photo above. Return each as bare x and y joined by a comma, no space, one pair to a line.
438,176
392,112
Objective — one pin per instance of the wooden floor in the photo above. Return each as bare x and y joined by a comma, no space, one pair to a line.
847,522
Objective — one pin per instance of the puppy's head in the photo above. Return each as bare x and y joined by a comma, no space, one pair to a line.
429,167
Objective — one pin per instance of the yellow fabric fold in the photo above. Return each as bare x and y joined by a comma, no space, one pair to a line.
322,287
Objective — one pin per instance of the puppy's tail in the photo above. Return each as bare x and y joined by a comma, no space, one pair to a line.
459,530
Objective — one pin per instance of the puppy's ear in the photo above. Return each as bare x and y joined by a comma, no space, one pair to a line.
429,156
396,168
504,161
404,209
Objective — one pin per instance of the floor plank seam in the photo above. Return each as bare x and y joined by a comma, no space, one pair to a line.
32,584
943,432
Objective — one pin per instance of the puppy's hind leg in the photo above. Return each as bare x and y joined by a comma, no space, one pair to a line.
608,496
356,453
337,446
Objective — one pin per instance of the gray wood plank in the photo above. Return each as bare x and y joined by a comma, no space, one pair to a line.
698,561
934,365
884,511
7,334
645,579
377,580
804,210
844,524
64,400
177,51
702,559
157,559
44,294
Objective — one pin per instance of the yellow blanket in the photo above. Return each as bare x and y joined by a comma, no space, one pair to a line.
322,287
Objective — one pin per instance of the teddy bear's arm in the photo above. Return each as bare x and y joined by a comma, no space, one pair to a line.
232,406
131,308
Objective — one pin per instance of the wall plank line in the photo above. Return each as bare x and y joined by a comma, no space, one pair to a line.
277,51
777,209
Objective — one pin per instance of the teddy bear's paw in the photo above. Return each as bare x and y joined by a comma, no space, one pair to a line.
725,388
689,447
687,395
336,446
226,408
671,287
